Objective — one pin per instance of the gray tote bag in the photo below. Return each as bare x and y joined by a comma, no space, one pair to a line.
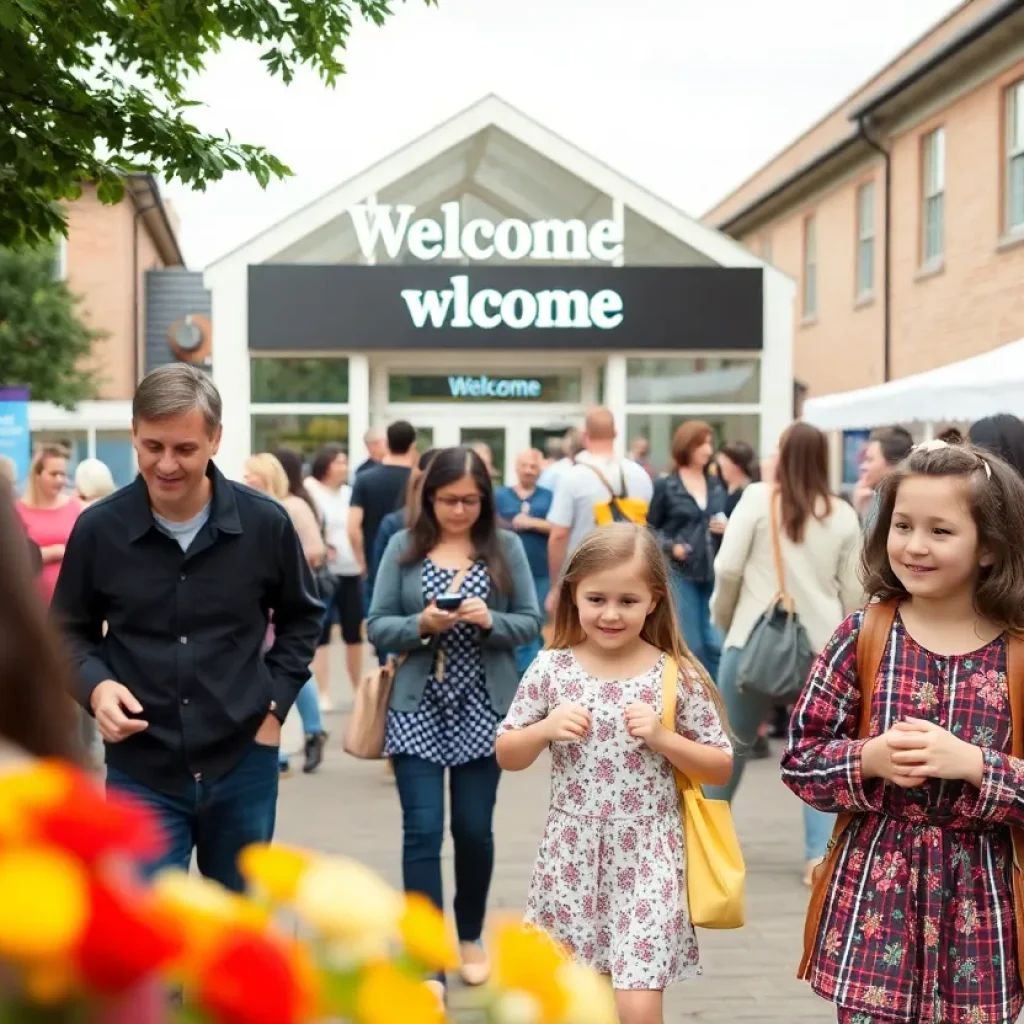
777,656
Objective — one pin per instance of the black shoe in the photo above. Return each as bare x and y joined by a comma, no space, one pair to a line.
760,748
314,751
780,723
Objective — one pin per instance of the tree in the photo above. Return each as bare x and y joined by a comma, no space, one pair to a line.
93,88
43,342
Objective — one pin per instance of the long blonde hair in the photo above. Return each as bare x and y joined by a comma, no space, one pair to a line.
39,457
611,546
269,468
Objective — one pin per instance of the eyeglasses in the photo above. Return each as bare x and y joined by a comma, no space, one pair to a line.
447,502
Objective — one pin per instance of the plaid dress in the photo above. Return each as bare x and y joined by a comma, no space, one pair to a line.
918,922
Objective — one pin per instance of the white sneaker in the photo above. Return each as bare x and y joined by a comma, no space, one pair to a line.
326,704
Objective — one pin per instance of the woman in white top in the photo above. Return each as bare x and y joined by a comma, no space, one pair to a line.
329,488
821,544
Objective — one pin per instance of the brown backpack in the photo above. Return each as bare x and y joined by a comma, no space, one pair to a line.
871,644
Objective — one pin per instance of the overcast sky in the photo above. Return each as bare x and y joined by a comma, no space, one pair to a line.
686,97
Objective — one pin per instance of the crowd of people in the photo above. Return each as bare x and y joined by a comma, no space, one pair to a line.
562,612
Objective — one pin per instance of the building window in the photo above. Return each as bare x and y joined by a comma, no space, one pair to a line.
866,240
693,380
304,433
934,198
115,448
810,268
1015,157
658,428
298,380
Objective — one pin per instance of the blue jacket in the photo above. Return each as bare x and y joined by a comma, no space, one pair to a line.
398,601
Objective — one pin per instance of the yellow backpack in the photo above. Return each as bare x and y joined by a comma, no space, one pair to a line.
619,508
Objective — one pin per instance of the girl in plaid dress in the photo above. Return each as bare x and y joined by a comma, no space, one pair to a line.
918,920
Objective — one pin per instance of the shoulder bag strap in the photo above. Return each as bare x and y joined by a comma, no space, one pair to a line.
780,573
669,679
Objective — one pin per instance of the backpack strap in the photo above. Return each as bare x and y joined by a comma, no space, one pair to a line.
1015,684
871,643
604,479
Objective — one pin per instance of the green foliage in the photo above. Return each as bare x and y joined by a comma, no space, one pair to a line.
93,88
42,340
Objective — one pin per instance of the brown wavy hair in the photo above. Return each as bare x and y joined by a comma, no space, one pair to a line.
36,709
801,474
607,548
996,500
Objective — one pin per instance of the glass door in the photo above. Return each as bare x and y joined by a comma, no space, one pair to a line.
489,441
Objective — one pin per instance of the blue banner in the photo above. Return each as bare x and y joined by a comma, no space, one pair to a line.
15,439
854,443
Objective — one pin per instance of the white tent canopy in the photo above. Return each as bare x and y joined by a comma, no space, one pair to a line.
983,385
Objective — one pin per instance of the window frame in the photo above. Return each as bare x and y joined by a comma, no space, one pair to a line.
933,197
866,203
1014,151
809,275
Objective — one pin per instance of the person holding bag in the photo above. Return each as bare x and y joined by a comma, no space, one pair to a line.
785,577
453,598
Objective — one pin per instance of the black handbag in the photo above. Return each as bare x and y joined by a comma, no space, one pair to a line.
777,656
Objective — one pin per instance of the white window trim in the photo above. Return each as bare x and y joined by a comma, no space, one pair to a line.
1014,151
299,409
865,236
934,194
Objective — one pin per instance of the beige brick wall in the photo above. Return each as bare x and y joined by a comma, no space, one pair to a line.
99,269
974,303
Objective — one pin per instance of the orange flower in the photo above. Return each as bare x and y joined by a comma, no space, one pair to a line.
257,979
128,936
425,934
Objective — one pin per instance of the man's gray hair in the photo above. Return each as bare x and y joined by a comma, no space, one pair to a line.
176,389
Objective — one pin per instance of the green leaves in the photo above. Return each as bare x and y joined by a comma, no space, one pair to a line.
43,342
97,87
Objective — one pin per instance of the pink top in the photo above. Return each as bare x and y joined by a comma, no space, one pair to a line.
48,526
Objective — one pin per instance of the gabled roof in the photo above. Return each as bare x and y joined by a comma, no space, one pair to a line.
489,112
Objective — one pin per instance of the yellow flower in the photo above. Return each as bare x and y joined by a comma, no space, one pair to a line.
274,870
205,911
344,900
387,996
426,936
591,997
526,961
44,903
33,786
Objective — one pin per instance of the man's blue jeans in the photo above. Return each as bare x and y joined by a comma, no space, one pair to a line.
527,652
693,606
217,819
746,712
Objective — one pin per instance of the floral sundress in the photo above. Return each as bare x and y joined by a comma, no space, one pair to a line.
918,923
610,878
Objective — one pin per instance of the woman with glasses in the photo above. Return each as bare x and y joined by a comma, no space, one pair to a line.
454,596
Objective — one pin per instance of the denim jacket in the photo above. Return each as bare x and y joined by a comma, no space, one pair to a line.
676,518
393,624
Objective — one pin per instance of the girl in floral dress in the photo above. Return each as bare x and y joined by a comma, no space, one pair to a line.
610,878
918,921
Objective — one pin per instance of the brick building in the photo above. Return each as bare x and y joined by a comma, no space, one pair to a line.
901,213
105,259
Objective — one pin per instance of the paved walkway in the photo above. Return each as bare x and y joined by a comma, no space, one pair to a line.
351,807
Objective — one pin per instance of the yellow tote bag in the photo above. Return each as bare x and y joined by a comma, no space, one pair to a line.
715,872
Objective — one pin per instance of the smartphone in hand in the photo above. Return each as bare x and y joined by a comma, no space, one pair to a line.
449,602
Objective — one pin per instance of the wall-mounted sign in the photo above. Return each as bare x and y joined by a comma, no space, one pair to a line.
15,439
490,387
315,308
499,385
565,241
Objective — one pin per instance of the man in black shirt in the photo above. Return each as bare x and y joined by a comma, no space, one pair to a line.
184,567
376,448
381,490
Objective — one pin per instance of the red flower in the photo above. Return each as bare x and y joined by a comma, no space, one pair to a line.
254,979
90,824
127,937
